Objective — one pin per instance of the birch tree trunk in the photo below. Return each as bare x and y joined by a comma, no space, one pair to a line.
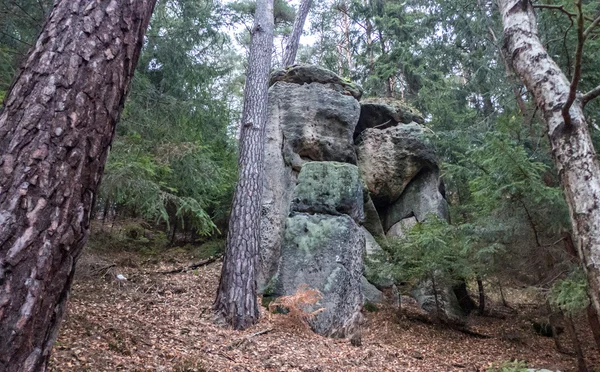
236,301
55,130
291,49
572,149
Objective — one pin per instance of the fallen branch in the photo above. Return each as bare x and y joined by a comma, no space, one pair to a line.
264,331
238,343
192,267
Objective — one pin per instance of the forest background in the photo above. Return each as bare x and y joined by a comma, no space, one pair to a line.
172,166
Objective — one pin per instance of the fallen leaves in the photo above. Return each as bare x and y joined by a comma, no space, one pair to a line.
158,322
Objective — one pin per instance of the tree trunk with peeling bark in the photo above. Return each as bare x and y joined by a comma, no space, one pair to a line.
572,148
55,130
236,301
291,49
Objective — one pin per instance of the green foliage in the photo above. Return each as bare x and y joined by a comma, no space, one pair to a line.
172,159
570,294
370,307
432,250
509,366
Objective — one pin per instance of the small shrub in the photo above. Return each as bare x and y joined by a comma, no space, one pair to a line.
371,307
509,366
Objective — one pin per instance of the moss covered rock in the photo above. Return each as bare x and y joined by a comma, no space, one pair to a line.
325,252
329,188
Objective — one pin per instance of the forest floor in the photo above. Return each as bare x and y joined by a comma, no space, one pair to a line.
162,322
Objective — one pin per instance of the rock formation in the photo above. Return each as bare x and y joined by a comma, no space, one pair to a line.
338,175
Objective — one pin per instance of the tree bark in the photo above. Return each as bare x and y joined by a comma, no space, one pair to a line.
594,325
581,366
481,307
236,301
291,49
572,148
55,130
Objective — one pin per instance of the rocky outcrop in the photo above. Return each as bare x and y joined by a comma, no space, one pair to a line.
420,199
308,122
446,301
329,188
338,175
317,122
307,74
390,158
385,112
324,252
399,229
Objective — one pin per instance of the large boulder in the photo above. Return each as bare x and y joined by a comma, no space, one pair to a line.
329,188
421,198
305,123
306,74
317,122
385,112
325,252
449,308
390,158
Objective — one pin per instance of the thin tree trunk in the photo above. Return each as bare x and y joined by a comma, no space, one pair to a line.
553,318
504,302
105,211
55,130
594,325
481,308
435,297
591,312
236,301
291,49
572,148
581,367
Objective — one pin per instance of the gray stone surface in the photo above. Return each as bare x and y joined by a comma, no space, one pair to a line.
372,248
390,158
329,188
372,222
448,303
278,187
317,122
325,252
383,112
306,74
422,197
400,229
375,260
370,292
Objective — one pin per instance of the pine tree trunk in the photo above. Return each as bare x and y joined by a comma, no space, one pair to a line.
572,147
236,301
55,130
594,325
481,308
291,49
